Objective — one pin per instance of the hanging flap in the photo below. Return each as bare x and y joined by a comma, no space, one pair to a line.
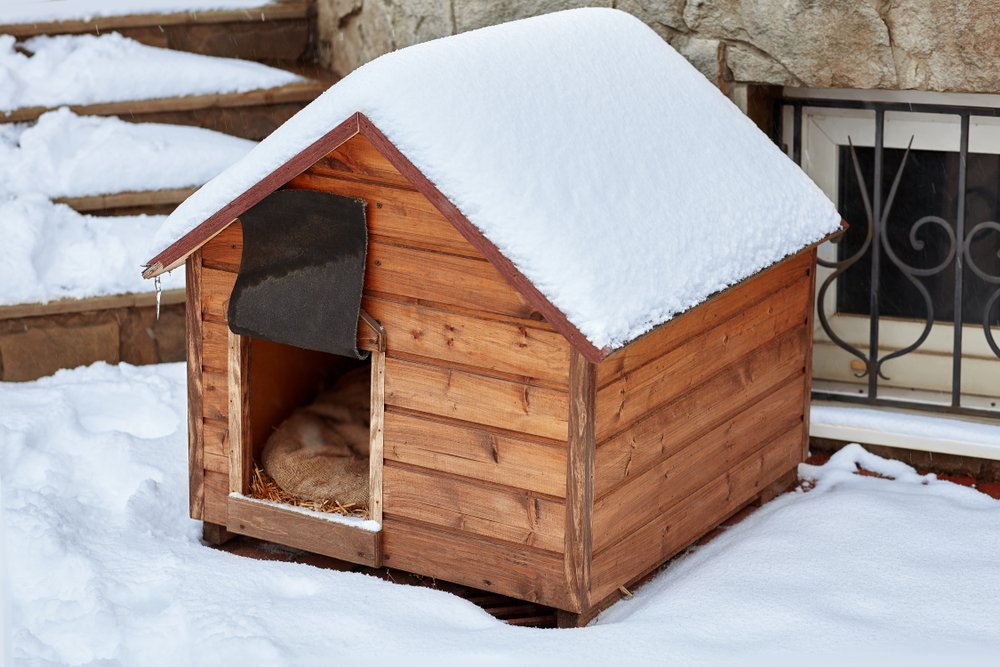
302,271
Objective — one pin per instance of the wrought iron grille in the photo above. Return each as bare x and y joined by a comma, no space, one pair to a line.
914,250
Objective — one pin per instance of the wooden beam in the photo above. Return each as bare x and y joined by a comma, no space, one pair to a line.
92,304
112,200
580,480
274,11
240,444
376,455
195,391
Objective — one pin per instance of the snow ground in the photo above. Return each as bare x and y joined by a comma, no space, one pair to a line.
101,565
87,69
50,252
66,155
38,11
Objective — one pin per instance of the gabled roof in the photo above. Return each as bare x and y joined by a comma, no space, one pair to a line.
607,178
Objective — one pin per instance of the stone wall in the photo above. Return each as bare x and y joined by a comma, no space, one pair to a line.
941,45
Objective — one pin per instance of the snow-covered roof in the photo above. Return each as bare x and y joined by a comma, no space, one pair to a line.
612,175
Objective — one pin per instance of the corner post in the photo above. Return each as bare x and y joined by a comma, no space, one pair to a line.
580,480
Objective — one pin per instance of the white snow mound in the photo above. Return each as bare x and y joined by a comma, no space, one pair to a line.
87,69
49,252
621,182
65,155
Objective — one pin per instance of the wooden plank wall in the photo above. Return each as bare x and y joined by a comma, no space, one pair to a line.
696,418
476,412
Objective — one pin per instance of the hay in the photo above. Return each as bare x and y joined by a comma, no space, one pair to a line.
264,488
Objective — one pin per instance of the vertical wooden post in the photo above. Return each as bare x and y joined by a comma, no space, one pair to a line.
195,389
810,315
240,453
580,479
375,460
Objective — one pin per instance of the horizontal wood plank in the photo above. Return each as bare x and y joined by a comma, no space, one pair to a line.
478,399
358,159
449,279
394,215
671,426
694,516
92,304
215,402
216,435
712,312
216,497
470,506
298,530
215,346
476,452
217,287
224,252
518,571
635,394
489,344
714,451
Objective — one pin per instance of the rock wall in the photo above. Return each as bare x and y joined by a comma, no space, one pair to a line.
941,45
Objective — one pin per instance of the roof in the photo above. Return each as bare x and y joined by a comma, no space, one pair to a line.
578,149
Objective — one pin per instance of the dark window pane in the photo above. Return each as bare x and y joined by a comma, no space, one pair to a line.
928,187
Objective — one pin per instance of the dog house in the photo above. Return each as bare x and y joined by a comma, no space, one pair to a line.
580,286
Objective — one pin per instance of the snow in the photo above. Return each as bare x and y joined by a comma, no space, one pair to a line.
38,11
913,424
617,179
102,565
87,69
367,525
65,155
50,252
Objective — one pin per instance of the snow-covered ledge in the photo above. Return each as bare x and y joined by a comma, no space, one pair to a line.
891,427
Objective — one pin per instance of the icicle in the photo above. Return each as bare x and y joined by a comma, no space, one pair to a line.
159,293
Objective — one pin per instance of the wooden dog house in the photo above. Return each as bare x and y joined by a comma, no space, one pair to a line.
510,451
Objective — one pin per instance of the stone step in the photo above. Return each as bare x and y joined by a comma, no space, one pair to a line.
278,32
251,115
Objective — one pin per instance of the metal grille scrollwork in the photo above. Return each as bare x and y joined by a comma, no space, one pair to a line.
886,247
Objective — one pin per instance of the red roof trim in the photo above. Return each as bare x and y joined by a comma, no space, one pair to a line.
201,234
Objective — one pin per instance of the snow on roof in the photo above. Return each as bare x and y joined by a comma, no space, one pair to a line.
612,174
86,69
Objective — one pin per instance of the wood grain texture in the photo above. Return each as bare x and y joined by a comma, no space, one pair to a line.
663,431
472,506
217,288
474,398
295,529
91,305
695,515
376,456
216,497
807,394
476,452
461,281
113,200
215,346
519,571
195,387
216,438
507,347
224,252
358,159
579,542
240,453
394,215
657,382
714,451
215,392
695,322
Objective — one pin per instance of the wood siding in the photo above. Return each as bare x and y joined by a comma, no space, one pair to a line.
476,382
476,401
697,418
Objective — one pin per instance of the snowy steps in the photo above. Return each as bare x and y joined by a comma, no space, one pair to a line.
276,33
37,339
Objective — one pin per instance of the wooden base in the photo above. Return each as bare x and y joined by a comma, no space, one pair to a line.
215,535
776,488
